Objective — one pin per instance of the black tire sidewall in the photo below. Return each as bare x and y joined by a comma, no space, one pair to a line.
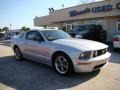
20,54
70,64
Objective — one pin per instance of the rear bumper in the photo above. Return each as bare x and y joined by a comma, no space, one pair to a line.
92,64
116,44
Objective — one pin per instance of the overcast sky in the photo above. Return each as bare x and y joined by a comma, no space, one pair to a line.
21,12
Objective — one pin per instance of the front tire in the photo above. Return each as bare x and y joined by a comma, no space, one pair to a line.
18,54
63,64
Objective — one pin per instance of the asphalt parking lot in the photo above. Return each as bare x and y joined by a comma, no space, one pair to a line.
29,75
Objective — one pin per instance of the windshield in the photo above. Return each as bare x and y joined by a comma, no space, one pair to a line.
55,34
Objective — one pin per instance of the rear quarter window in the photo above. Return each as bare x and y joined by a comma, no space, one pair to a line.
22,35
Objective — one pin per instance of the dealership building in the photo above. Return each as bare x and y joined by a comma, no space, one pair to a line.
105,13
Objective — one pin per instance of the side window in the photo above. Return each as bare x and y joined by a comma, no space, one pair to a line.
28,35
22,35
34,35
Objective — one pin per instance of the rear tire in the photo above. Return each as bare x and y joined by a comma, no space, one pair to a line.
18,54
63,64
115,49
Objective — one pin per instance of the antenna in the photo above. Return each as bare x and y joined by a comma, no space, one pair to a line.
62,5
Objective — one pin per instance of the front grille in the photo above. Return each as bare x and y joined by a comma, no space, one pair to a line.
99,66
99,52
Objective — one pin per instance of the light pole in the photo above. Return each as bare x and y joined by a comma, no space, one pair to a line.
10,26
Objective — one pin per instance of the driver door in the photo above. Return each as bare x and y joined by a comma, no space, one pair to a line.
36,46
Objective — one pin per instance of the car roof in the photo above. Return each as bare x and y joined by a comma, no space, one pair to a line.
41,29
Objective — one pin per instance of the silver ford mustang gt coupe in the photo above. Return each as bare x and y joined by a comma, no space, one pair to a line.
58,49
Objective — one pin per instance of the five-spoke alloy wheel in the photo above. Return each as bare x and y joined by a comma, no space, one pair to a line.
62,64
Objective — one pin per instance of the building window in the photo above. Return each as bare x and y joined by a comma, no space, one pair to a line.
118,25
75,24
95,21
66,26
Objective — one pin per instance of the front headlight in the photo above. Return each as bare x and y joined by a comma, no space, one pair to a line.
85,55
82,55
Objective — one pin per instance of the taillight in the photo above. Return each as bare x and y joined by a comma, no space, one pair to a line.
116,39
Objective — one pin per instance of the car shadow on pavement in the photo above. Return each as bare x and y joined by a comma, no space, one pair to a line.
115,54
29,75
115,57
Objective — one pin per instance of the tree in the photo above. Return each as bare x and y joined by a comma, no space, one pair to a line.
96,33
25,28
5,29
1,29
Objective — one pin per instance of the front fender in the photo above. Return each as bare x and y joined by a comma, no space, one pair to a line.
73,53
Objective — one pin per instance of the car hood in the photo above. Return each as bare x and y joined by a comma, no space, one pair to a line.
81,44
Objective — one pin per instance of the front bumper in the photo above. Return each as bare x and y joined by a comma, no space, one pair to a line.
92,64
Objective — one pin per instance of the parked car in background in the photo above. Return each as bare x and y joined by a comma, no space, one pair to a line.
79,30
90,31
12,33
2,36
58,49
116,42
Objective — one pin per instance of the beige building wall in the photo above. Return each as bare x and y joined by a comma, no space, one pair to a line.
63,14
111,27
58,17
